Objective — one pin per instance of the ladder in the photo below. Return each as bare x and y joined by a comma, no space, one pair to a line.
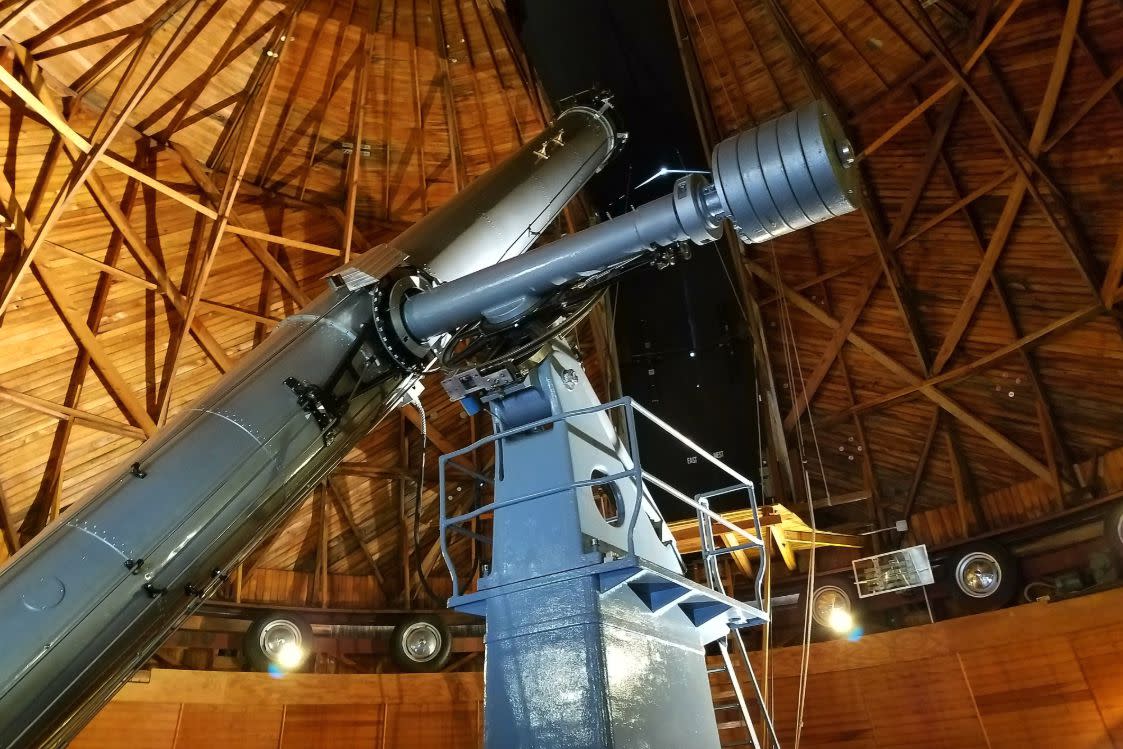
713,579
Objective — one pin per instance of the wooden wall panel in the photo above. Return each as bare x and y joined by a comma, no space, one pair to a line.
332,725
212,710
1038,675
246,728
132,724
1099,653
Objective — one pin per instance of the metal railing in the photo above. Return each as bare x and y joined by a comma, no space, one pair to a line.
637,475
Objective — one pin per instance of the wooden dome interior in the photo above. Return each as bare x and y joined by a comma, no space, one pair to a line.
958,340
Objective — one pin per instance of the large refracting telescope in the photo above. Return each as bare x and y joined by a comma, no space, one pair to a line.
92,597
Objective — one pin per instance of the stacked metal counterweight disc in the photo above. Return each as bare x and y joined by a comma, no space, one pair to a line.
786,174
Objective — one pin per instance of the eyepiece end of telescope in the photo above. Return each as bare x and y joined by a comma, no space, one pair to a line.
786,174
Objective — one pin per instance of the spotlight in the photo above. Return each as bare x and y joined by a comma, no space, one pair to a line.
277,643
290,656
840,620
832,608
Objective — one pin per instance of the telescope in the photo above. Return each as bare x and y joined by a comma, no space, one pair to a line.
92,597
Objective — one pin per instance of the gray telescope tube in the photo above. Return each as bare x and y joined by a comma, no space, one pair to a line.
90,599
499,215
505,290
781,176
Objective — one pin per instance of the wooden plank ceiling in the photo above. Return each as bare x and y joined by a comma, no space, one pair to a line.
190,165
960,334
956,339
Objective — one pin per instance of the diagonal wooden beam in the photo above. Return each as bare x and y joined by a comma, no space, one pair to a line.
949,404
231,49
339,499
1065,224
1114,277
921,464
1014,200
76,144
898,283
314,117
875,510
104,137
84,13
103,364
256,248
1050,432
459,177
114,382
263,71
145,30
1057,327
948,87
45,505
295,94
886,248
139,249
966,495
225,206
8,525
64,413
831,352
65,49
356,157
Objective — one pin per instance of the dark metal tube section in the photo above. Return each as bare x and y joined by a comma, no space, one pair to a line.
89,600
505,290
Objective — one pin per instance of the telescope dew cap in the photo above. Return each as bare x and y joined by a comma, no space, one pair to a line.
786,174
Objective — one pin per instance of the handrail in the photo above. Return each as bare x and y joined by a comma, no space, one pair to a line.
636,474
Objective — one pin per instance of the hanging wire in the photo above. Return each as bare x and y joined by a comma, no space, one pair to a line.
788,337
417,508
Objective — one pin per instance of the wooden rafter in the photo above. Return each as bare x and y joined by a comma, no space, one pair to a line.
77,144
921,464
948,87
225,207
886,249
111,377
66,413
273,151
46,503
105,131
895,277
1055,328
85,13
355,159
226,54
255,246
949,404
339,497
1013,204
137,38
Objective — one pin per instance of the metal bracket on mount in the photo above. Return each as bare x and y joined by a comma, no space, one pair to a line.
317,404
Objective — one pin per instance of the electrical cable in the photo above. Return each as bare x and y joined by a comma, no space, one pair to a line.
417,561
417,508
788,333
